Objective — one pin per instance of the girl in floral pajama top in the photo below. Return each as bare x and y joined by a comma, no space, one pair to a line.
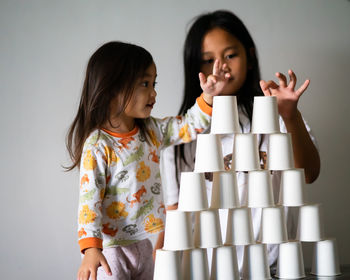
116,145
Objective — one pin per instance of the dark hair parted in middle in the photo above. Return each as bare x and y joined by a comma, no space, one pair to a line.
192,59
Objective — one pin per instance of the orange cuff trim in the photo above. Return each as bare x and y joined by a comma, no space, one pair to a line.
90,242
204,106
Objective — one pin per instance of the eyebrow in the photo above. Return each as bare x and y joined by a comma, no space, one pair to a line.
147,75
226,49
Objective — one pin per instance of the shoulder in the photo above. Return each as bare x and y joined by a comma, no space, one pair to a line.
98,140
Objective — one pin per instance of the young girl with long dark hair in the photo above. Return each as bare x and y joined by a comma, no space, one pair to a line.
116,145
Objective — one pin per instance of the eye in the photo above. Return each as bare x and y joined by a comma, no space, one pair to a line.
154,84
145,84
208,61
230,56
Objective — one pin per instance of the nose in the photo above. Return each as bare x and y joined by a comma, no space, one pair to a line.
153,93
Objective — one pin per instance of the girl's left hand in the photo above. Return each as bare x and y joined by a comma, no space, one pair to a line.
287,96
159,244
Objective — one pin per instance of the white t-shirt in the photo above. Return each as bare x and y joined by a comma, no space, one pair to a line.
168,172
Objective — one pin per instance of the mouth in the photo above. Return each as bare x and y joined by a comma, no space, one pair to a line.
150,105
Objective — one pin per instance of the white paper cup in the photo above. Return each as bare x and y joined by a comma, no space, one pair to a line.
273,226
207,232
292,187
193,194
265,115
195,264
260,192
178,231
245,152
224,264
255,263
167,265
280,152
325,258
310,226
224,190
290,262
209,156
225,115
239,227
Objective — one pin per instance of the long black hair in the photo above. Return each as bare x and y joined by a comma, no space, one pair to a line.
192,58
112,72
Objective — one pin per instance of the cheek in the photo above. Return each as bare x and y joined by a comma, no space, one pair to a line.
206,69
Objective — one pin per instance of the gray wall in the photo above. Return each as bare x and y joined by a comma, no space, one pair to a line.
45,46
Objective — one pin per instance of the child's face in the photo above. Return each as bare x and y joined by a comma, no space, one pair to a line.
144,95
221,45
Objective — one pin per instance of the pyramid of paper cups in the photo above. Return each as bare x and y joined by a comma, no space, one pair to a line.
184,255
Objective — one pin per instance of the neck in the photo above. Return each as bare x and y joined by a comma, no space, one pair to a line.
120,125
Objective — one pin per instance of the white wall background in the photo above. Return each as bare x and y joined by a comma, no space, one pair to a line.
45,46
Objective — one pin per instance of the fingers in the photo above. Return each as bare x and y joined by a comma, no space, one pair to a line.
202,79
83,275
93,274
293,79
282,79
265,88
216,67
303,87
106,267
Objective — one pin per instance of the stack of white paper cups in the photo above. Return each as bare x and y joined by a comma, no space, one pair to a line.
193,194
310,226
239,227
325,258
280,152
265,115
167,265
255,264
225,115
178,231
273,226
290,262
224,264
195,264
209,156
207,232
245,152
292,187
260,189
224,190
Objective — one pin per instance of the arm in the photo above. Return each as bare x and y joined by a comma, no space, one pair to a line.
184,129
305,153
92,185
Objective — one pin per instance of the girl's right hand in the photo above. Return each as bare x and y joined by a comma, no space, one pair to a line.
92,260
214,83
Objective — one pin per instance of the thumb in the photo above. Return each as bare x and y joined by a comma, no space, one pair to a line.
105,266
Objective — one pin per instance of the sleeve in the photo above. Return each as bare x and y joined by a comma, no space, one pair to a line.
184,129
168,171
284,130
92,188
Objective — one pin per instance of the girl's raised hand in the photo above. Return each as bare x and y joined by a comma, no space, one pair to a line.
287,96
214,83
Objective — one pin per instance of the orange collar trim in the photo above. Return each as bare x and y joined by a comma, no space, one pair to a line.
122,135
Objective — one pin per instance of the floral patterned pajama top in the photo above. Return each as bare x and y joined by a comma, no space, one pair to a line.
121,199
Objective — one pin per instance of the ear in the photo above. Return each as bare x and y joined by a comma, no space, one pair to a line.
252,56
